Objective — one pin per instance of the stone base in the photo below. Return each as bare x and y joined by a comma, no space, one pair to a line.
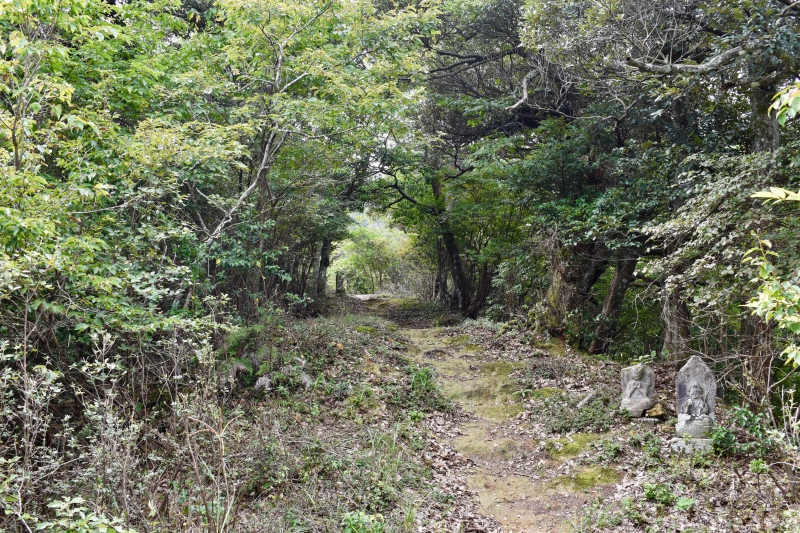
636,409
697,428
689,446
646,420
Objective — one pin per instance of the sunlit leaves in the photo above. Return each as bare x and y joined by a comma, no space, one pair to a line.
787,103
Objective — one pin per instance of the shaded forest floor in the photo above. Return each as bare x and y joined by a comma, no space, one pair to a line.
444,425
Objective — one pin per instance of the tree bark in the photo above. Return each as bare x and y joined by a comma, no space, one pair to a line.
757,349
340,284
765,129
612,305
675,315
324,263
440,283
312,286
756,335
462,289
572,283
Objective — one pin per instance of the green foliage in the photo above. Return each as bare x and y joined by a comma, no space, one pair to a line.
559,414
685,504
777,299
659,493
418,392
723,440
361,522
373,257
787,103
163,174
74,517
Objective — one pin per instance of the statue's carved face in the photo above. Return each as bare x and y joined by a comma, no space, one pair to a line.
695,391
637,373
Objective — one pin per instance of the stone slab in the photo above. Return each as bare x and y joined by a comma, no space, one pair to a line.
689,446
645,420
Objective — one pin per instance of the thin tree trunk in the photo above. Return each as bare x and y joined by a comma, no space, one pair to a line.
612,306
340,284
675,315
462,287
756,344
313,285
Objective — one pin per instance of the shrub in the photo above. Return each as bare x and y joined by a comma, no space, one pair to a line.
361,522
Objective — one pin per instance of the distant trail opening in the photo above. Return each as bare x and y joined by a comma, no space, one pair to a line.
378,257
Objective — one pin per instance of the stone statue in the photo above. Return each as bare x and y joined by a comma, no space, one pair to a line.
638,384
696,399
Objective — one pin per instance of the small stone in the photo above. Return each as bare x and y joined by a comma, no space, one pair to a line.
656,412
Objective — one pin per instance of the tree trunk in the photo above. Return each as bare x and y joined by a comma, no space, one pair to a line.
440,284
461,282
612,306
756,344
340,284
583,275
312,286
765,130
462,289
574,278
675,315
324,263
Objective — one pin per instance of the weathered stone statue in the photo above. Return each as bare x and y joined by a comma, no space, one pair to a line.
638,384
697,397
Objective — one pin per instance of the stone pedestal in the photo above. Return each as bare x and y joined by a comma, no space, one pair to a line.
694,427
689,446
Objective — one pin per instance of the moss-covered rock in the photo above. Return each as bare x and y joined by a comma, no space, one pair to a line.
586,479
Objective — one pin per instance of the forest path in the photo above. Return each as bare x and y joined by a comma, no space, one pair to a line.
505,458
512,468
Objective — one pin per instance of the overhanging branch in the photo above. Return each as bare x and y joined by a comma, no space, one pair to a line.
681,68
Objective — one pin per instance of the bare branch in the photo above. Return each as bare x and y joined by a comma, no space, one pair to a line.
680,68
524,98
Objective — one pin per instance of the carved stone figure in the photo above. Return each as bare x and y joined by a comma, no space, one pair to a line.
638,384
696,399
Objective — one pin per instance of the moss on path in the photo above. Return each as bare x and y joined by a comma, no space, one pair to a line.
484,388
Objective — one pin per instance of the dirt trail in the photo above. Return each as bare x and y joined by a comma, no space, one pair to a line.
507,459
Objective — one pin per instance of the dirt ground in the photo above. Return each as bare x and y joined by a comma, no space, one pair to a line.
507,468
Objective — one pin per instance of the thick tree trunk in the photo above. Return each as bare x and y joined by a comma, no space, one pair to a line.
462,289
584,274
440,283
765,129
612,306
574,278
324,263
